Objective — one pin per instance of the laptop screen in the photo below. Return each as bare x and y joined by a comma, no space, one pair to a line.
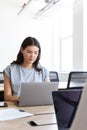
65,104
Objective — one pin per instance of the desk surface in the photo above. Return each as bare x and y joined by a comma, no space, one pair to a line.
1,87
40,116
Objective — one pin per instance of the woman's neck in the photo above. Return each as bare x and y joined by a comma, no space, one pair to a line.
28,66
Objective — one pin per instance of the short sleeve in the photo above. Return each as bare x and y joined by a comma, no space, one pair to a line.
45,73
7,71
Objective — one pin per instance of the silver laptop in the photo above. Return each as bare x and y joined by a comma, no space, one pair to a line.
65,105
37,93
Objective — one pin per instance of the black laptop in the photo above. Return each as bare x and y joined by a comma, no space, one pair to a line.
65,105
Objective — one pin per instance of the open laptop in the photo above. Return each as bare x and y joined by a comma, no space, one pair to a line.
37,93
65,105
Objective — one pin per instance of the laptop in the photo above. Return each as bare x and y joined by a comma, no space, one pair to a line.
65,105
37,93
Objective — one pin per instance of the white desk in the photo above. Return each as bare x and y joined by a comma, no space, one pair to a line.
62,85
1,87
21,124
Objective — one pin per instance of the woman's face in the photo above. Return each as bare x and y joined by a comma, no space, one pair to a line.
30,54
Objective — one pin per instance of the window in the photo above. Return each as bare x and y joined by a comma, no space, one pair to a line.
66,39
66,54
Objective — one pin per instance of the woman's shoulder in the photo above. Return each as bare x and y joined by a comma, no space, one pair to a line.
45,73
12,66
44,69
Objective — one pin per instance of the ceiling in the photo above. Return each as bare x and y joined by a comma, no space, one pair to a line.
42,6
36,8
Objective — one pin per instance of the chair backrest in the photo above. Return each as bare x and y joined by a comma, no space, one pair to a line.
1,82
77,79
1,77
54,76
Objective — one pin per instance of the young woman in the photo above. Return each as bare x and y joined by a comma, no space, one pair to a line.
26,68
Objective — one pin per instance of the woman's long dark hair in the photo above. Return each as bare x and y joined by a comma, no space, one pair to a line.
29,41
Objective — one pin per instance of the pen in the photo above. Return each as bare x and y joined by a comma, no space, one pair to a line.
21,110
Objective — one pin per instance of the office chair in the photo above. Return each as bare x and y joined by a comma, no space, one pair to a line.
1,77
77,79
1,82
1,96
53,76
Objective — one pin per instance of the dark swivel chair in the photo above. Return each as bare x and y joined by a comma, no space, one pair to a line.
77,79
54,76
1,82
1,77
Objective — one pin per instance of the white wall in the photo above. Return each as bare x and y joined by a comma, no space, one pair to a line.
85,33
14,28
78,35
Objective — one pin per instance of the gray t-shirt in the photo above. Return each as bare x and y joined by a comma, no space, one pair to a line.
18,74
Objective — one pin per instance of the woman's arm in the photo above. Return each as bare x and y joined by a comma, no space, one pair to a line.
8,90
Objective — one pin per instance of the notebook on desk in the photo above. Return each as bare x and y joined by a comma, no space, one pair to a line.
37,93
65,105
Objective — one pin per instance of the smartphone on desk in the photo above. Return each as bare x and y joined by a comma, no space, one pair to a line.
32,123
3,104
